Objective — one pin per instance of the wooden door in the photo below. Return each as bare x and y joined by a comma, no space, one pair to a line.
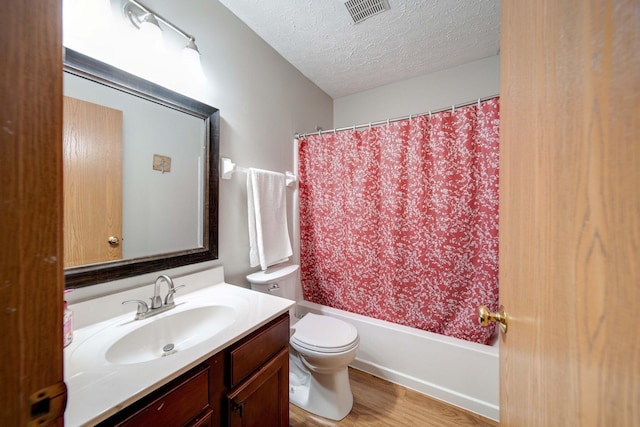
92,141
31,274
570,213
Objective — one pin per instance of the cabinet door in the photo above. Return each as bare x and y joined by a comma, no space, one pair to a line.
263,399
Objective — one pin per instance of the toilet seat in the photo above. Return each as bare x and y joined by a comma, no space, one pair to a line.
324,334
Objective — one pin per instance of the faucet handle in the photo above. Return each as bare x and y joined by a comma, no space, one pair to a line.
143,308
168,300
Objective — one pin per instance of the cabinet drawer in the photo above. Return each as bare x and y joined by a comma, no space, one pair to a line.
205,420
256,349
177,406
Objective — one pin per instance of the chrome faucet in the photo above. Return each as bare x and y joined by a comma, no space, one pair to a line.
157,306
156,301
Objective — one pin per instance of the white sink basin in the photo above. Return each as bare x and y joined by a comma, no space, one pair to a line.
169,334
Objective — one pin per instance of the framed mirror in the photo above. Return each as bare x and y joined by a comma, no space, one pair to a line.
140,175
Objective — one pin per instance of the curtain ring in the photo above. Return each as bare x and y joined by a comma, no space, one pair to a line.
429,114
354,128
478,102
387,122
369,125
453,108
334,131
410,117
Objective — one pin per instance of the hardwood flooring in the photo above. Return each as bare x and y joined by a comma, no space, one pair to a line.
378,403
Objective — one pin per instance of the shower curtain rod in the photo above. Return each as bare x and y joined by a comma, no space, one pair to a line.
397,119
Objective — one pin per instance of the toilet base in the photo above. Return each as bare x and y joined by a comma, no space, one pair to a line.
327,395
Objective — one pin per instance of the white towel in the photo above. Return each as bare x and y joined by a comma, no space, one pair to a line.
268,234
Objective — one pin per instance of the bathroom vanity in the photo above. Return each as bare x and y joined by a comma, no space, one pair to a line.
245,384
229,368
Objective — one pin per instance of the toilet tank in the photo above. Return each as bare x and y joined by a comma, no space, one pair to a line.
279,280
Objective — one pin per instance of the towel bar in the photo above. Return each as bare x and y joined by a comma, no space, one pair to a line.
227,168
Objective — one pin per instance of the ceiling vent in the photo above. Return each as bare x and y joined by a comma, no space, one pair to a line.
363,9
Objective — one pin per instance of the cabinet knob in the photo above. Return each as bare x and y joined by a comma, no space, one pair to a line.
238,408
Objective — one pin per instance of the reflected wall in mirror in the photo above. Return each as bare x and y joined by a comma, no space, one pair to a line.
140,173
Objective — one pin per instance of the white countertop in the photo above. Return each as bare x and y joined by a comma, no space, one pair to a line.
98,388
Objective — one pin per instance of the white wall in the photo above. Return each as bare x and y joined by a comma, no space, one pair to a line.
263,100
433,91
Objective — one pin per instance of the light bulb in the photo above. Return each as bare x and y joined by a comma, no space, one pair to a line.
191,58
150,30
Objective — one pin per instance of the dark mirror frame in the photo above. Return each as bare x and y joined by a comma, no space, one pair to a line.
99,72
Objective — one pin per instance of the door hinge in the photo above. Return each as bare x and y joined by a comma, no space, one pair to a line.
47,404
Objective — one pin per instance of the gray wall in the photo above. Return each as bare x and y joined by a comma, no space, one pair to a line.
420,94
263,100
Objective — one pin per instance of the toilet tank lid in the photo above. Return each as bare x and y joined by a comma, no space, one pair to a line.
272,274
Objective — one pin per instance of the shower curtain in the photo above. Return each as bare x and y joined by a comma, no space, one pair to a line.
400,222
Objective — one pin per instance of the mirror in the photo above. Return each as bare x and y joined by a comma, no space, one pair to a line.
162,188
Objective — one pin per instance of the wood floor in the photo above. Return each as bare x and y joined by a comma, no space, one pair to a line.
377,402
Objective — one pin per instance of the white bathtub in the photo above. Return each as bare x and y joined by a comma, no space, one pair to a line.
462,373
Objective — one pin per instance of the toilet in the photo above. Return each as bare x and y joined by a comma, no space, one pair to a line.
321,348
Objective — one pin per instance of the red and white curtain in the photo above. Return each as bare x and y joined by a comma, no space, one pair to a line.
400,222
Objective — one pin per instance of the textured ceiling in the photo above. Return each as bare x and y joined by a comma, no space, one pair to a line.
414,37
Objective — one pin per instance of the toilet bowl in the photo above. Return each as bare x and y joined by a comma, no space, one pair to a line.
324,346
321,348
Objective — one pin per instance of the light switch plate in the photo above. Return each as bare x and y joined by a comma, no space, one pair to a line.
161,163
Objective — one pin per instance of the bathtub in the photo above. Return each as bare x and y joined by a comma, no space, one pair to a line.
462,373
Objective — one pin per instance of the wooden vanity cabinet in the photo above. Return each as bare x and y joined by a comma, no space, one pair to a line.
244,385
263,399
259,378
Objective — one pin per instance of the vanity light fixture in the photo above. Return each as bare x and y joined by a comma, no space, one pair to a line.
150,27
147,21
191,54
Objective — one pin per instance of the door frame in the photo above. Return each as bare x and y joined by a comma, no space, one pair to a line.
31,270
